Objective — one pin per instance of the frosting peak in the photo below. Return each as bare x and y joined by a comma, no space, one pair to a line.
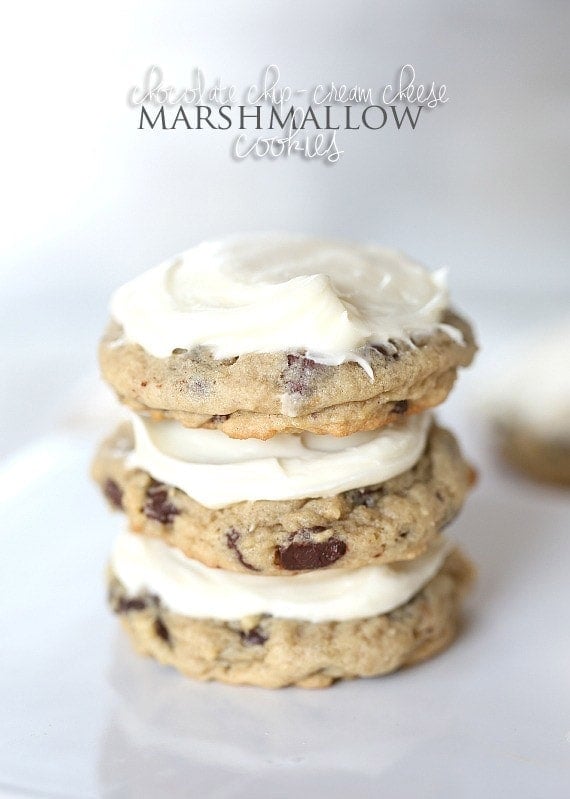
278,292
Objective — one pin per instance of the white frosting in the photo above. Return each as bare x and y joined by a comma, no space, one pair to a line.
535,392
216,470
188,587
277,292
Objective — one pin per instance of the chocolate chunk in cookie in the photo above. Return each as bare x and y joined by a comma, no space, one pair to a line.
232,538
161,630
113,492
158,506
254,637
299,374
300,555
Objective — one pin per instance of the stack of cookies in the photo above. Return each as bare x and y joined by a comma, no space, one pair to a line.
284,482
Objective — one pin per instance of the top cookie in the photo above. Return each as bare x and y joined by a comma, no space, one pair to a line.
275,333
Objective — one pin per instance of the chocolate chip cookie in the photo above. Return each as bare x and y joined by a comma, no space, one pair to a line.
258,395
272,652
392,521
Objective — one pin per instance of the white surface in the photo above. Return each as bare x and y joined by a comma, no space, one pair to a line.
82,716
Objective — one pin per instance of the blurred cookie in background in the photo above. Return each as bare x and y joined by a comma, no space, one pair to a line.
530,407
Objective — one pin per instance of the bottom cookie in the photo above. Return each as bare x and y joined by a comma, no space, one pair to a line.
271,652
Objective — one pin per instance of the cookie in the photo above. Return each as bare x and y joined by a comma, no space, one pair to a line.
393,521
541,458
272,652
257,395
529,405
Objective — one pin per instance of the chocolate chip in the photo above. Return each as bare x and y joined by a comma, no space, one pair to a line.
123,604
219,418
232,538
113,493
255,637
302,555
401,406
299,360
299,374
144,384
360,496
161,630
158,506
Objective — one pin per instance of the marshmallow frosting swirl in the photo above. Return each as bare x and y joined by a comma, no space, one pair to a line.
277,292
188,587
217,471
